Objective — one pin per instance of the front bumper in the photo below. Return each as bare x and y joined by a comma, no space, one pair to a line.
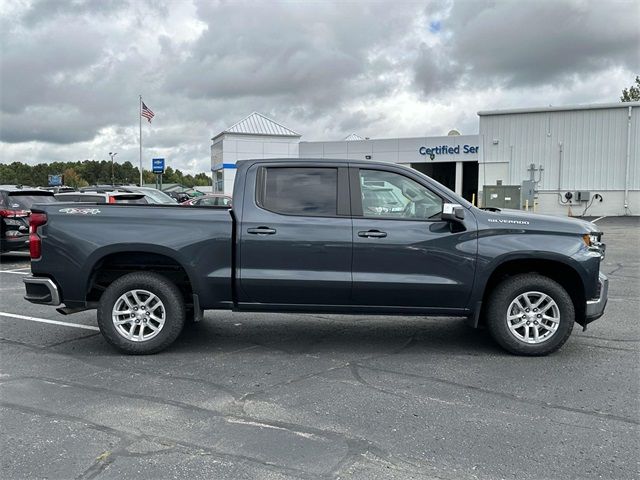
595,307
41,290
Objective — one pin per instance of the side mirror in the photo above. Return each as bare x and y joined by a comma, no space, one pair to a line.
452,212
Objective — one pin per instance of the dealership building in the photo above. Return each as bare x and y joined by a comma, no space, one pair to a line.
571,160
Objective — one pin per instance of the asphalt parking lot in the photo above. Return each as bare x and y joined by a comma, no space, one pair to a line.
317,396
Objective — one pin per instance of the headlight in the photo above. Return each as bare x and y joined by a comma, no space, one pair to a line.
591,239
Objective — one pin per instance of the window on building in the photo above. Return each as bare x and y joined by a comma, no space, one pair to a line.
298,190
218,181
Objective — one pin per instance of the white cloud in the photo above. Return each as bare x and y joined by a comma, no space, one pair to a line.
72,71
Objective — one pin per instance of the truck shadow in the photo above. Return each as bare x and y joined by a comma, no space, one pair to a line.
326,334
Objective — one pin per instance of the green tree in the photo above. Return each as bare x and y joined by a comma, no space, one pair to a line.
631,94
72,179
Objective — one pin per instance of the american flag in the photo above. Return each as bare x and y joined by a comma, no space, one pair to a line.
147,113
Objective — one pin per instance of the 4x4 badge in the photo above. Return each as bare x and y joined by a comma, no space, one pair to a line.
80,211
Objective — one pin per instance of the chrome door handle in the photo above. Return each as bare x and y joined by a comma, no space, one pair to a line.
372,234
261,231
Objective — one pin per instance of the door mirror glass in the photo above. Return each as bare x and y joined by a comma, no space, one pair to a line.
452,212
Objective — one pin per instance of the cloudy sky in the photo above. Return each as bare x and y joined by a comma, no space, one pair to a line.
71,71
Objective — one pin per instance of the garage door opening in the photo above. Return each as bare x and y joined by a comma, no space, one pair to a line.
442,172
445,173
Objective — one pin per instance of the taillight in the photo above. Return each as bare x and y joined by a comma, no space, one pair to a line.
35,243
112,199
14,213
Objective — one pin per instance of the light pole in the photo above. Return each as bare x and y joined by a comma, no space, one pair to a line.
113,181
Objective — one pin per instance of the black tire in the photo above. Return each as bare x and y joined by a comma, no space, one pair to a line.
172,301
506,292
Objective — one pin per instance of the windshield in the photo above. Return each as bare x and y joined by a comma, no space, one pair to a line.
24,201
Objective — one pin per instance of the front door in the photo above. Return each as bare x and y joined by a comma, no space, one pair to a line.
295,236
404,255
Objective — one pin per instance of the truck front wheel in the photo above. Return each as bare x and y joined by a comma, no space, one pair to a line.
141,313
530,314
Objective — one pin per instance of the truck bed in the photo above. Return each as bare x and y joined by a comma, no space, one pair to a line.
78,237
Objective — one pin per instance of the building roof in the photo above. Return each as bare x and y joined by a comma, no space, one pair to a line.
566,108
258,124
352,137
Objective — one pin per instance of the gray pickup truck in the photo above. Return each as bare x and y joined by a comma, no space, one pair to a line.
310,235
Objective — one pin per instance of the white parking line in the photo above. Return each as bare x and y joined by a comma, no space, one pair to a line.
594,221
46,320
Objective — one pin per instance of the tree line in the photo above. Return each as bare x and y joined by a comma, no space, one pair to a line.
91,172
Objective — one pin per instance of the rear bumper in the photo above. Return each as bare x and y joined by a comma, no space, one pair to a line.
41,290
18,243
595,307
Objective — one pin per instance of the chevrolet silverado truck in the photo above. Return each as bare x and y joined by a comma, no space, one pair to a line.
318,235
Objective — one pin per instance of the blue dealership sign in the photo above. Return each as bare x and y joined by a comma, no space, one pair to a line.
55,180
157,165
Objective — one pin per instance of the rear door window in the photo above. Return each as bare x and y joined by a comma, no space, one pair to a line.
298,190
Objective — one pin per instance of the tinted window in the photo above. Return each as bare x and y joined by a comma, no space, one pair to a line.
129,199
25,201
299,190
391,195
206,202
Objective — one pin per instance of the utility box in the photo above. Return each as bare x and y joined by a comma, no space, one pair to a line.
528,193
501,196
583,196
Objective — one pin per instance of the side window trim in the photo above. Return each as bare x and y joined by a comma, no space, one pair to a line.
356,195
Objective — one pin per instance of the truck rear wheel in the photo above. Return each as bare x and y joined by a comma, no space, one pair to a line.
530,314
141,313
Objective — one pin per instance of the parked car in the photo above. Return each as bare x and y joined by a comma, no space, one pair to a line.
15,207
179,197
105,197
299,240
61,189
153,195
211,200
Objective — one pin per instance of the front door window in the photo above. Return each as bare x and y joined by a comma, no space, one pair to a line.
392,195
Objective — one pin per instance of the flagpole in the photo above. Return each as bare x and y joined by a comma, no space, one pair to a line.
140,119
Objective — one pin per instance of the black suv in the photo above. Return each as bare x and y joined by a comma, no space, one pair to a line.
15,208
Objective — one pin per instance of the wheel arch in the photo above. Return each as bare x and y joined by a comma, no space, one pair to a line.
111,263
557,269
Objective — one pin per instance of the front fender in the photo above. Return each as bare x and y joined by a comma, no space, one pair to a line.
499,247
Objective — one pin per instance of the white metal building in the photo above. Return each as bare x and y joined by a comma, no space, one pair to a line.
451,160
255,136
582,159
593,149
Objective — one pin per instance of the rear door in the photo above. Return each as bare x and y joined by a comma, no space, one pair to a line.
295,235
404,255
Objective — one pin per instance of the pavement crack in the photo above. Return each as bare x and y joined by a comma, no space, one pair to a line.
510,396
71,340
128,438
353,368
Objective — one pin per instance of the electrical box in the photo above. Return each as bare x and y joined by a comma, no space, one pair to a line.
528,193
501,196
583,196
